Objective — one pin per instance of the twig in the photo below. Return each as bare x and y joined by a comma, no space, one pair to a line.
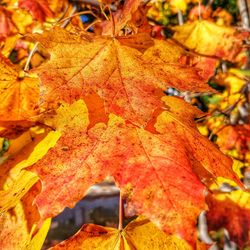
91,24
77,14
120,226
199,10
113,21
26,67
93,3
180,17
217,131
244,13
103,11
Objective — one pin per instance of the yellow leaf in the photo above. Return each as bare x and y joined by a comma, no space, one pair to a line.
37,241
39,151
209,39
11,196
140,234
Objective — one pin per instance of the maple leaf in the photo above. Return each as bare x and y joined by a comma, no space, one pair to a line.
209,39
140,234
7,26
232,212
232,137
16,226
174,53
18,96
235,138
57,6
39,9
21,226
116,69
11,196
84,156
23,152
179,5
121,18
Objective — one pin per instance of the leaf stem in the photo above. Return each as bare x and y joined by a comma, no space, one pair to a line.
199,10
26,67
120,226
90,25
77,14
180,18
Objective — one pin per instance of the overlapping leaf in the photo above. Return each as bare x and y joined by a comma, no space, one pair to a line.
116,69
174,148
121,17
19,97
39,9
209,39
232,212
21,226
17,226
235,138
15,182
7,26
140,234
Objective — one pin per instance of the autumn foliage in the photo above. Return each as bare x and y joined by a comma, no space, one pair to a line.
82,101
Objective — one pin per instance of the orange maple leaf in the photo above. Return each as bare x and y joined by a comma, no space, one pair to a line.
232,137
235,138
232,212
39,9
121,18
165,163
116,69
7,27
